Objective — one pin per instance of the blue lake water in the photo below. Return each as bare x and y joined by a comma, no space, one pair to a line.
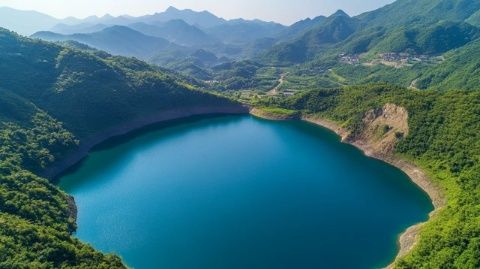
236,192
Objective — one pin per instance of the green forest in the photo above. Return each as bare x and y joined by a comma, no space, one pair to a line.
69,96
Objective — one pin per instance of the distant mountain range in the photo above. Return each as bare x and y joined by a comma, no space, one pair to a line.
172,35
118,40
15,20
173,38
194,42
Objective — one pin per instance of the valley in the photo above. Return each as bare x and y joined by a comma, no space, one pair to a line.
400,82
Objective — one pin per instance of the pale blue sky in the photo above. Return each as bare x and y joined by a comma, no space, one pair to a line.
283,11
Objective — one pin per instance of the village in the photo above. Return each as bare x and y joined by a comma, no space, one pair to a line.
393,59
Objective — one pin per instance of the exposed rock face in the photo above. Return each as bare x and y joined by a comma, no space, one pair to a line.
382,129
72,209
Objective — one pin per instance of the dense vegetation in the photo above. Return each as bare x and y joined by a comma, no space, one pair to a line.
36,219
431,40
331,30
443,139
459,71
52,99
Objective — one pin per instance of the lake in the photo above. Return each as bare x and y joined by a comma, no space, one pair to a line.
239,192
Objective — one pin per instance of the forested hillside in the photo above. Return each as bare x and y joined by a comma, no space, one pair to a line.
428,48
443,139
53,99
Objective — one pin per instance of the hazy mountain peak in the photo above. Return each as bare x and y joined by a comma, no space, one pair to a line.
93,17
107,16
340,13
172,9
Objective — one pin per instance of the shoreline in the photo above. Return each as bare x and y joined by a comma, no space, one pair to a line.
257,112
409,237
86,146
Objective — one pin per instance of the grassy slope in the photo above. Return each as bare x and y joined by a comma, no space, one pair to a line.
443,139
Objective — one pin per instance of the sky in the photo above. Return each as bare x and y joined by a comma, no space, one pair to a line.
283,11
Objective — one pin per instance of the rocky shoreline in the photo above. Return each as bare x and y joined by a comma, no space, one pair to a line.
409,238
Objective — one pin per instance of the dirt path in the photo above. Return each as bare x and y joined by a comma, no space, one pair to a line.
281,80
413,85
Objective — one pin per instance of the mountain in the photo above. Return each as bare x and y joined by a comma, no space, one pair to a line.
202,19
124,41
176,31
334,29
57,102
431,27
82,28
433,21
118,40
106,19
420,11
459,70
297,29
25,22
430,40
241,31
191,26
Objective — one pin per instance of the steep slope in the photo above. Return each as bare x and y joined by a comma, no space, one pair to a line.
432,40
64,77
459,70
297,29
420,11
332,30
57,102
431,27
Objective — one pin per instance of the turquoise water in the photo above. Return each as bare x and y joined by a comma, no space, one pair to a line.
237,192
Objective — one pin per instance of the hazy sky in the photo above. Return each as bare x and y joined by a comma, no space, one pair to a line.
284,11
